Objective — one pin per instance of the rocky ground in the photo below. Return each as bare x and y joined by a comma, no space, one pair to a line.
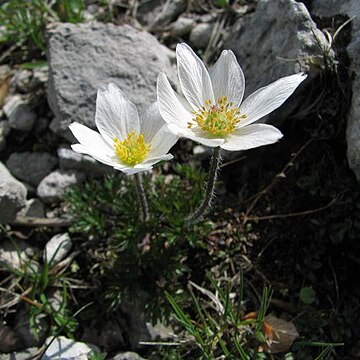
294,204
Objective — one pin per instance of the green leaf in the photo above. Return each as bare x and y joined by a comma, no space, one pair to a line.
307,295
33,65
222,3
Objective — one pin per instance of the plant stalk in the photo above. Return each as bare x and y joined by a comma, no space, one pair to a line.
143,204
210,188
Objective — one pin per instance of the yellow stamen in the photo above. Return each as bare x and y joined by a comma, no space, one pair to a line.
219,119
132,150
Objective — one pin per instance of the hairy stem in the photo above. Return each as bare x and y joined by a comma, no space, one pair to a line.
210,188
143,205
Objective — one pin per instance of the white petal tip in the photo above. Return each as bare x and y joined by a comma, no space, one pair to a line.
74,126
134,170
78,148
301,75
182,46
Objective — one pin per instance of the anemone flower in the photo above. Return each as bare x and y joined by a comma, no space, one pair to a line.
212,112
125,141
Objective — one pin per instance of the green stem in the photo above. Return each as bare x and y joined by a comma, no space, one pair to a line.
143,205
210,188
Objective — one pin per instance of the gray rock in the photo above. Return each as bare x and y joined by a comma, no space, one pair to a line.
277,40
200,35
41,125
5,71
52,187
327,8
129,355
20,355
15,254
66,349
94,11
148,10
57,248
158,13
350,8
353,123
26,81
56,299
40,76
20,115
182,26
21,80
4,131
31,167
25,331
70,160
110,55
160,332
12,195
33,208
5,127
163,16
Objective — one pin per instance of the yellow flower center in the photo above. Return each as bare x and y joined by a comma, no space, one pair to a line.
217,119
132,150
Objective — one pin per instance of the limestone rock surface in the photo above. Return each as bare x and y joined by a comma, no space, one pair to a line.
4,131
64,348
33,208
57,248
155,14
52,187
15,255
12,195
129,355
351,9
31,167
84,57
20,115
278,39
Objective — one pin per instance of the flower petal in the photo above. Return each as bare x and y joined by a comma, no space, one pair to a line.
134,170
162,142
269,98
90,139
196,134
115,115
101,157
194,78
155,160
151,122
170,107
251,136
228,78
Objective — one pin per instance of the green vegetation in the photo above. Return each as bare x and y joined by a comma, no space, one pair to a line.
143,260
36,286
24,23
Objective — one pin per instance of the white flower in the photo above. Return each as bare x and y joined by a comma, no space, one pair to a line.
211,111
126,142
